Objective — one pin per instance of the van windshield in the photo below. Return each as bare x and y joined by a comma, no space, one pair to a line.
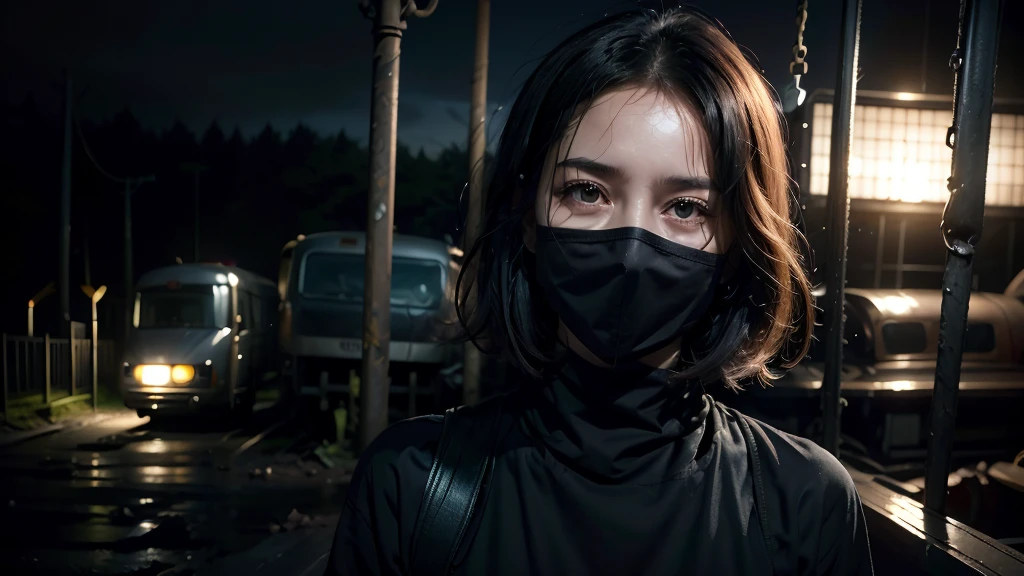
415,283
185,306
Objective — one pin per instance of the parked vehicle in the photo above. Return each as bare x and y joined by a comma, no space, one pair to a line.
889,372
321,284
203,337
1016,287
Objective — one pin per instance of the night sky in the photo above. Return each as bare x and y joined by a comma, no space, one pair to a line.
250,62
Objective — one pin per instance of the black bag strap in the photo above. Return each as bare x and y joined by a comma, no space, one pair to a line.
464,459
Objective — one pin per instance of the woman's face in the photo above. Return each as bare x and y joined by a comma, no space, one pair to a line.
638,159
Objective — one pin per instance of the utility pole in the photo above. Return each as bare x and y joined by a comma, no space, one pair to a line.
85,251
196,168
129,304
65,215
388,18
477,151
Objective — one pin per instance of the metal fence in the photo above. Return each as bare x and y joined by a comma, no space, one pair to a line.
44,366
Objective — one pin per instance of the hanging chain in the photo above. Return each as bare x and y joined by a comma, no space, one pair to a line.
956,61
798,66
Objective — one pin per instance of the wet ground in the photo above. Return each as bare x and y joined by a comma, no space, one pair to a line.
128,496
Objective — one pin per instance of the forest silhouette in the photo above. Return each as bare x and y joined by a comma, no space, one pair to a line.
255,195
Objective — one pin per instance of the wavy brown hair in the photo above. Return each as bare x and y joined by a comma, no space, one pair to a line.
762,317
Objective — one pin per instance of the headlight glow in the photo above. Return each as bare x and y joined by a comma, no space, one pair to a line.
162,374
182,373
153,374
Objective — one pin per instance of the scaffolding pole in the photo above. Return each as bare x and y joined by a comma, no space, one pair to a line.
974,65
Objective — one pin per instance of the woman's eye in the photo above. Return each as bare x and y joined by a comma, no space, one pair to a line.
586,194
684,210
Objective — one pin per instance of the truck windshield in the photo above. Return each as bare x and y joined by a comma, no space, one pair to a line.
186,306
415,283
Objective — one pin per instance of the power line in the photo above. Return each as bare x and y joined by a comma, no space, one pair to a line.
88,152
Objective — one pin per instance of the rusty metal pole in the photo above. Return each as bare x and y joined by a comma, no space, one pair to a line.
3,377
839,217
64,274
94,344
388,18
128,304
974,65
477,150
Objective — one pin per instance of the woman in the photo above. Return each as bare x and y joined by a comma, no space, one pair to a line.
637,255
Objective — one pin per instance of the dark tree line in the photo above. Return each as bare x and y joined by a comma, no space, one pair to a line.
255,195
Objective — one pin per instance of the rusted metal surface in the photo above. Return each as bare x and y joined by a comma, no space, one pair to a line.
974,63
907,538
388,24
477,148
838,218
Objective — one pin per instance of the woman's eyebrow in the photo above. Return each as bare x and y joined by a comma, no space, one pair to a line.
591,167
676,183
687,183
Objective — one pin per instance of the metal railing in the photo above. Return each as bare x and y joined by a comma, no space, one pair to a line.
34,366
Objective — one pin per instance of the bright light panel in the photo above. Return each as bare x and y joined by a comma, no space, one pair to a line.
901,154
155,375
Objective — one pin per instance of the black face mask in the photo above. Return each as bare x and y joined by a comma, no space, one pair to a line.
624,292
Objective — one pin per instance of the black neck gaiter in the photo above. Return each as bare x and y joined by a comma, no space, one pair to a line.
624,292
622,425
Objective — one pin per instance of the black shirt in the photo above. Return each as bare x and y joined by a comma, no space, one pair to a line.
613,472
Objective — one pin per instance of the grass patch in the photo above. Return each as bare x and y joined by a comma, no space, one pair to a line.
29,412
268,394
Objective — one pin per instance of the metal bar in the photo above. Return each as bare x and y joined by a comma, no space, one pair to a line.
128,292
900,251
17,366
924,46
65,213
925,542
95,356
3,366
388,24
46,360
195,209
974,62
879,251
373,397
87,264
477,146
1012,233
805,118
72,364
839,218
